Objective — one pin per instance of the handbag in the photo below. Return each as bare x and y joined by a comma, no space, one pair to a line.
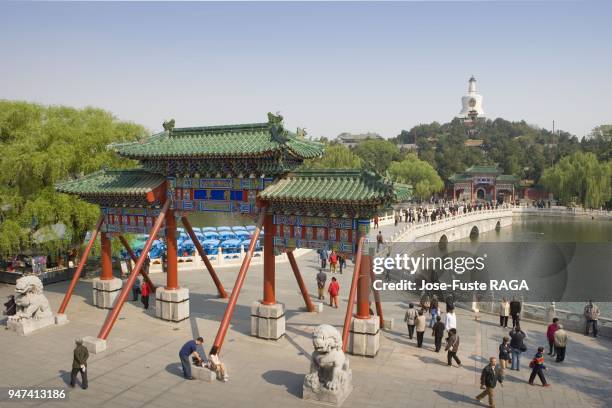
523,348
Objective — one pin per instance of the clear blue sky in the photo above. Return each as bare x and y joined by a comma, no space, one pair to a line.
329,67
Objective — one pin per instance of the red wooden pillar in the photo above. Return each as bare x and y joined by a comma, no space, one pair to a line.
269,296
300,281
107,261
79,270
353,289
129,250
363,288
494,194
172,259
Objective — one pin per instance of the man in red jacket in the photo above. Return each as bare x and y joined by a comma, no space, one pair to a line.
334,290
550,335
145,291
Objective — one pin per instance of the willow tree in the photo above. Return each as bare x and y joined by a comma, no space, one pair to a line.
417,173
40,146
581,178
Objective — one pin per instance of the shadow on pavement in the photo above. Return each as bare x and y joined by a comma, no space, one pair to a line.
456,397
293,382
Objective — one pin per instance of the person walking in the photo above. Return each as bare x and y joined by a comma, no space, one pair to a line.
145,291
136,290
438,333
79,364
450,320
504,312
433,311
515,311
504,353
334,290
517,346
341,263
333,261
410,319
379,240
420,325
321,279
452,347
376,221
190,349
591,314
560,343
450,303
537,368
550,335
323,257
489,378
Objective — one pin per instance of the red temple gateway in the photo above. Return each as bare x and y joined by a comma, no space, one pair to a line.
483,183
248,169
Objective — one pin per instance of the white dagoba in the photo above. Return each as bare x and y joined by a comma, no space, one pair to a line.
471,104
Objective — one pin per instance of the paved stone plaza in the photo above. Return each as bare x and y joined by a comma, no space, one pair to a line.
141,367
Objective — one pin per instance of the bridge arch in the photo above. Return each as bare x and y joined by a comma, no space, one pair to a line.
443,242
474,232
498,225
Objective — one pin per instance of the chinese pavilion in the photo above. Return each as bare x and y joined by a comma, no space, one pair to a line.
483,183
250,169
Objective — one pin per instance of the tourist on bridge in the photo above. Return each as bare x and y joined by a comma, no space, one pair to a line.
438,333
410,319
591,314
489,378
550,335
334,291
515,311
420,324
136,290
504,353
537,368
333,261
504,312
376,221
379,240
452,348
79,364
517,346
560,343
190,349
321,279
145,291
450,303
433,310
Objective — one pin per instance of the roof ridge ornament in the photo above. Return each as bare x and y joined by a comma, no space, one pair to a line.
168,125
278,132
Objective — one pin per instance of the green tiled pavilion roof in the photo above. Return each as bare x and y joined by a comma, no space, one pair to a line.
332,186
460,177
233,141
133,182
483,169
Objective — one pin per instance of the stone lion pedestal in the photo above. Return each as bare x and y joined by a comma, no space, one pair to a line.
330,379
33,311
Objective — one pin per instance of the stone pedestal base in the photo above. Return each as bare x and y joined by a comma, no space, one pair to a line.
388,324
105,292
61,318
267,321
323,395
94,345
172,304
364,339
203,374
25,327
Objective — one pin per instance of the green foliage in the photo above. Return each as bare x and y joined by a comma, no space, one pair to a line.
599,142
518,148
418,173
379,153
582,178
336,156
40,146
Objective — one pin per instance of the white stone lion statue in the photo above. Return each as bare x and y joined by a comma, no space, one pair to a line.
30,301
329,368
